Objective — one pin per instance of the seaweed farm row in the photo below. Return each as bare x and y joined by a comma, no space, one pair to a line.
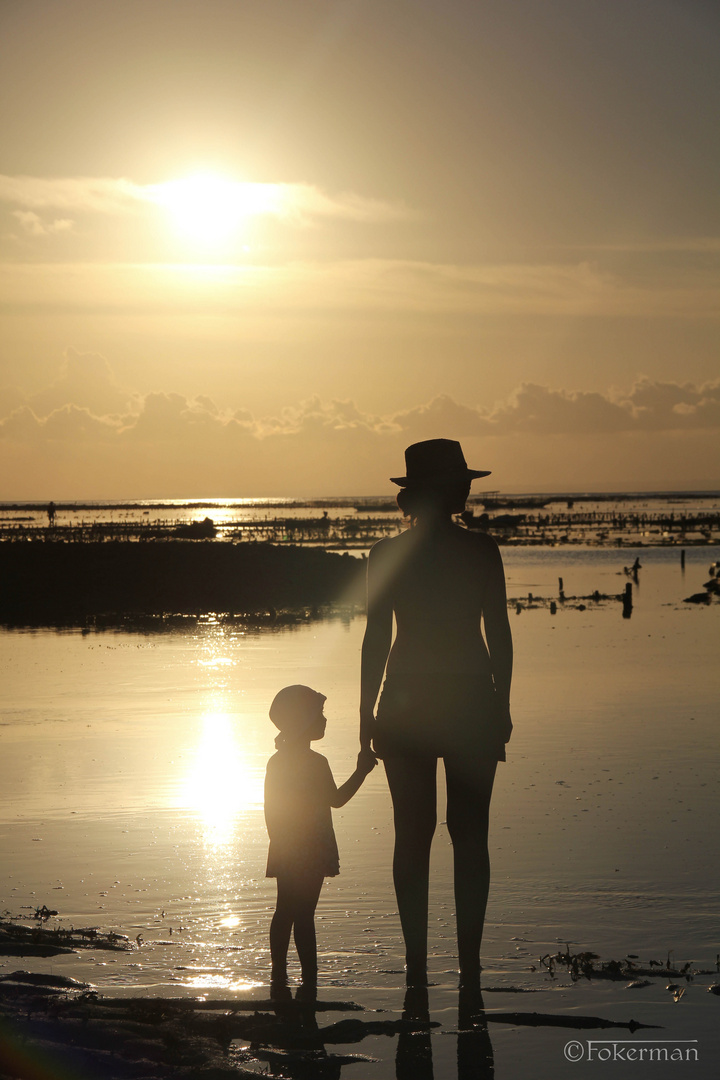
359,533
341,535
357,523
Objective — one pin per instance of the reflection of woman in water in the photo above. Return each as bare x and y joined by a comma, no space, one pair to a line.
446,691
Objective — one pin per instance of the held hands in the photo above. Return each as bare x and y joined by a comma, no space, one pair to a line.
366,761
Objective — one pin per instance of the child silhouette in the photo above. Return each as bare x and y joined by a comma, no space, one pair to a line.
299,794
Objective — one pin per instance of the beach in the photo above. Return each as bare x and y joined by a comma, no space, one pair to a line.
131,780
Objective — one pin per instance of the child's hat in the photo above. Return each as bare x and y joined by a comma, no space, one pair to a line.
294,707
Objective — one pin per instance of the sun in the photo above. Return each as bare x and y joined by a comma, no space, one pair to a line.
210,210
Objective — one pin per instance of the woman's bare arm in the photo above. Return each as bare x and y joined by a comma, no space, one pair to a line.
497,629
377,640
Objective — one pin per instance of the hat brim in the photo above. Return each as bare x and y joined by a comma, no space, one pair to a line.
445,478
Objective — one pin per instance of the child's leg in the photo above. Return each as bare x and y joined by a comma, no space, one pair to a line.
280,929
306,898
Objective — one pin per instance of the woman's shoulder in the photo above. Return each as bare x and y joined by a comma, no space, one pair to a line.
388,543
391,547
477,540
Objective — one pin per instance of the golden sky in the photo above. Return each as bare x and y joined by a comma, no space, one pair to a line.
255,248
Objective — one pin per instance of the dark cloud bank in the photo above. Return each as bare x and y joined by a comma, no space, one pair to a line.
87,412
86,401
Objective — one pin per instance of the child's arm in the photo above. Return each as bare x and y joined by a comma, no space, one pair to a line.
366,762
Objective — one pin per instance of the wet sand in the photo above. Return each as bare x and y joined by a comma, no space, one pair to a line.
129,800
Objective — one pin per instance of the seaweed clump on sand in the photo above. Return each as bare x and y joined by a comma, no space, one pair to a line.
588,965
43,941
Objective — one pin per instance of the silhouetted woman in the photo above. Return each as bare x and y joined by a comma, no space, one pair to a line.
446,692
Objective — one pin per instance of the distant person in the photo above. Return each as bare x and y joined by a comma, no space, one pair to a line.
299,794
446,692
51,514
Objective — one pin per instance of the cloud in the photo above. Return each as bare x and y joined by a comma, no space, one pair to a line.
87,381
34,225
76,424
11,398
70,424
99,440
21,425
543,411
295,202
440,415
381,286
314,415
86,390
85,436
170,417
683,245
98,194
650,406
663,406
305,202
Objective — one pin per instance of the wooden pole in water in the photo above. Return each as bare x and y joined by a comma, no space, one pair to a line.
627,601
560,587
682,559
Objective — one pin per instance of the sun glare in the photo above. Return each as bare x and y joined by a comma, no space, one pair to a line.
220,784
211,209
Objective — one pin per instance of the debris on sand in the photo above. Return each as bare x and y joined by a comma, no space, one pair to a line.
19,940
68,1025
583,965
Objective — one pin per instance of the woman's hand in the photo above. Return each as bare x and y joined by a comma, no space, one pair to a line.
367,728
506,724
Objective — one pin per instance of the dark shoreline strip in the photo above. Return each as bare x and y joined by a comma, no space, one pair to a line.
72,581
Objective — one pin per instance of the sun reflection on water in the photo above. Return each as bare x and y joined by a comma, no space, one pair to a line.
221,982
220,784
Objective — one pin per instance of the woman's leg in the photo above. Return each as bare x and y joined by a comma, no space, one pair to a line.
412,784
306,898
469,788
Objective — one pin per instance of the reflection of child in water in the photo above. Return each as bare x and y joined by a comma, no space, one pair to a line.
299,794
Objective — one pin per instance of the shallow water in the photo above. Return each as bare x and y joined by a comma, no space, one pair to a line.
131,769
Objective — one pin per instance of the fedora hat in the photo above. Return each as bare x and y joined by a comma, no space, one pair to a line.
436,461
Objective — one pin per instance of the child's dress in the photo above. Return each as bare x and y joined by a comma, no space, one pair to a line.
299,787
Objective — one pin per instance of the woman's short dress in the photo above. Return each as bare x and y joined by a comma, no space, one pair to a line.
298,790
439,714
